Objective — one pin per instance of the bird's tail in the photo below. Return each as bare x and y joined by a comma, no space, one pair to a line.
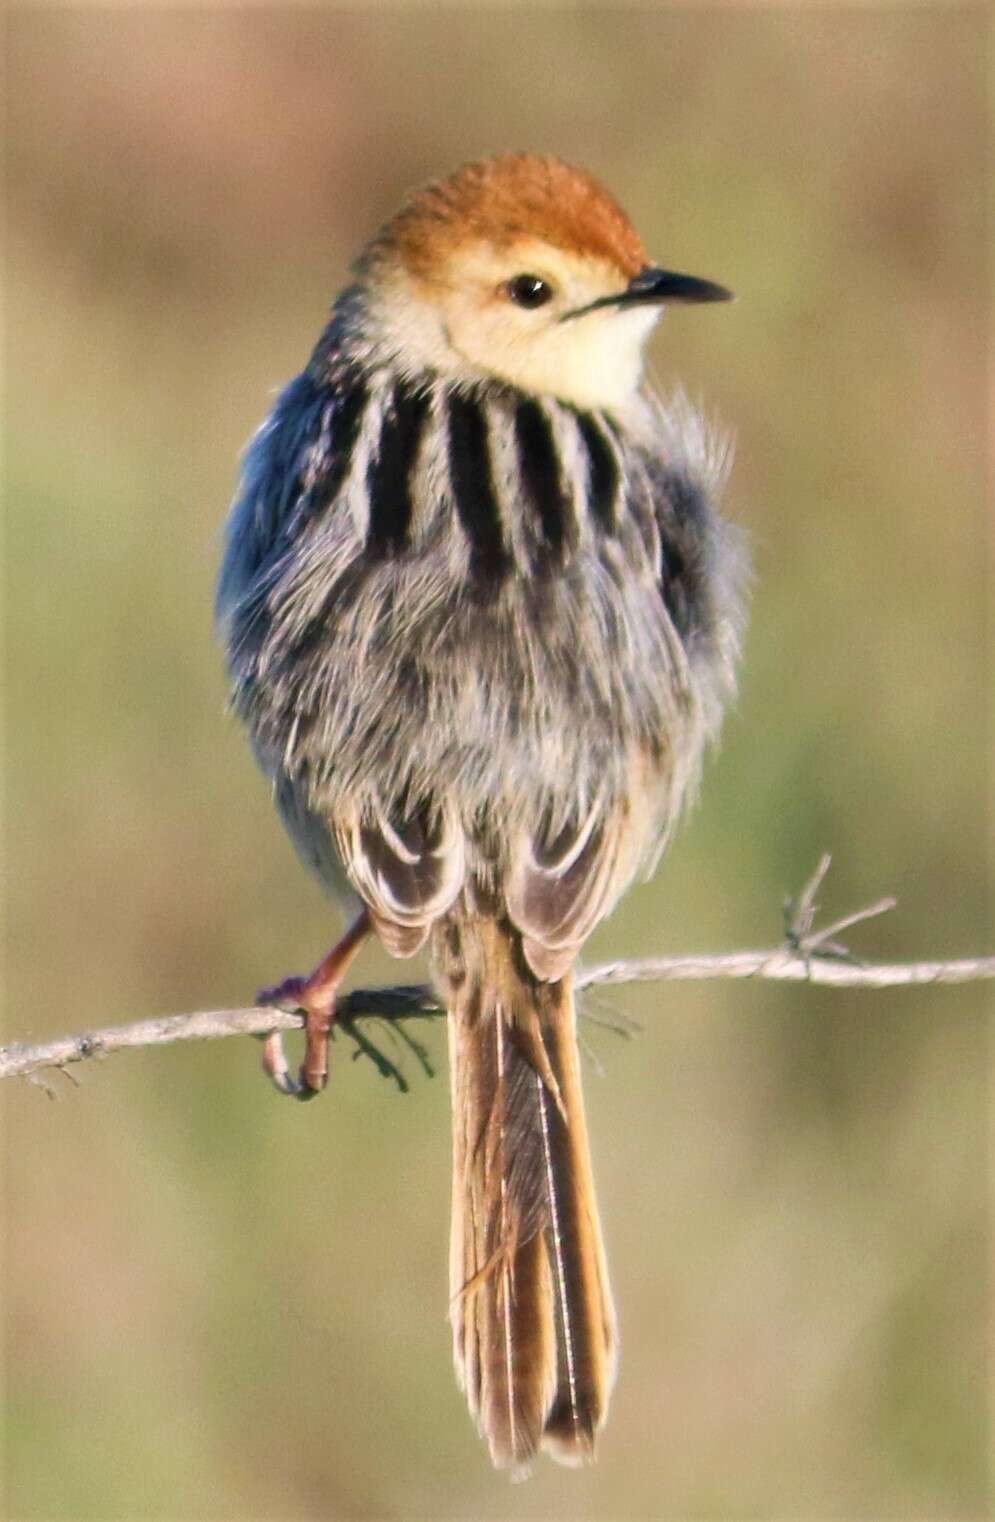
534,1333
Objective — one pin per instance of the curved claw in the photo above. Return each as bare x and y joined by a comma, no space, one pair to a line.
316,997
277,1069
313,1073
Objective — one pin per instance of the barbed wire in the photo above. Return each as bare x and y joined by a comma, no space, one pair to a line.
806,956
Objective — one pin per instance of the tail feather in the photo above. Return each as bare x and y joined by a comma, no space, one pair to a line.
533,1323
588,1334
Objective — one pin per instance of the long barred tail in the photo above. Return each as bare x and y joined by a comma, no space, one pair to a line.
534,1334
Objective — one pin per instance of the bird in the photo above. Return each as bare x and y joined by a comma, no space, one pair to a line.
482,614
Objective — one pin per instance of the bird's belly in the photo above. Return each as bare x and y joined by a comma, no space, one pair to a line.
556,687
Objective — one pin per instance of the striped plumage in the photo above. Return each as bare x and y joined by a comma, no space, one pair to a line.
480,631
487,509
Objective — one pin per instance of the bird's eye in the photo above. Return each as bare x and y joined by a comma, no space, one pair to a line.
529,291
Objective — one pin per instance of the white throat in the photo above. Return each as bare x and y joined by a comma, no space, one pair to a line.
592,361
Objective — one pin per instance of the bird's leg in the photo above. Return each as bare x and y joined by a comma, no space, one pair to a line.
317,996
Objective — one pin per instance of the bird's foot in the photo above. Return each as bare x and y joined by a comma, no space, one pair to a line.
316,997
319,1014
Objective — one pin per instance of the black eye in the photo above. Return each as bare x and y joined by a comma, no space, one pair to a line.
529,291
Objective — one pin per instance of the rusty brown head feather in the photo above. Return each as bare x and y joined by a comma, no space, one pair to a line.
506,199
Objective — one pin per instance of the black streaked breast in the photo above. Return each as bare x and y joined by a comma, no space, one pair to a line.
347,419
603,475
539,472
391,469
473,489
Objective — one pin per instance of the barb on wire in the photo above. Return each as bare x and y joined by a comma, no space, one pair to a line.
800,935
806,956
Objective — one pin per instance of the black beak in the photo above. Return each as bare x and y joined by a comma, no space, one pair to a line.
664,285
652,287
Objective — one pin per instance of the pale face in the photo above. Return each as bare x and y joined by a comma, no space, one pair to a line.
466,323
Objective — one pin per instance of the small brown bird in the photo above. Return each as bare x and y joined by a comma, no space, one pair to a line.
481,617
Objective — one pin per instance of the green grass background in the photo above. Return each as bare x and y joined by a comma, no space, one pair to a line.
221,1305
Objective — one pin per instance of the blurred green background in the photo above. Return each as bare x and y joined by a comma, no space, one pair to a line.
221,1305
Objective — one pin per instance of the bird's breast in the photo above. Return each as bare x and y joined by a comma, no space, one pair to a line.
478,609
510,485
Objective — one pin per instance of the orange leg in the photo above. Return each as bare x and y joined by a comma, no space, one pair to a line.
317,996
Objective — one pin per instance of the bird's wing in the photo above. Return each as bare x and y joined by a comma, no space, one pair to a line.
564,878
293,471
407,866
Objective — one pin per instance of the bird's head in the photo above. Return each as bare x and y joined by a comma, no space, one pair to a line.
523,269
